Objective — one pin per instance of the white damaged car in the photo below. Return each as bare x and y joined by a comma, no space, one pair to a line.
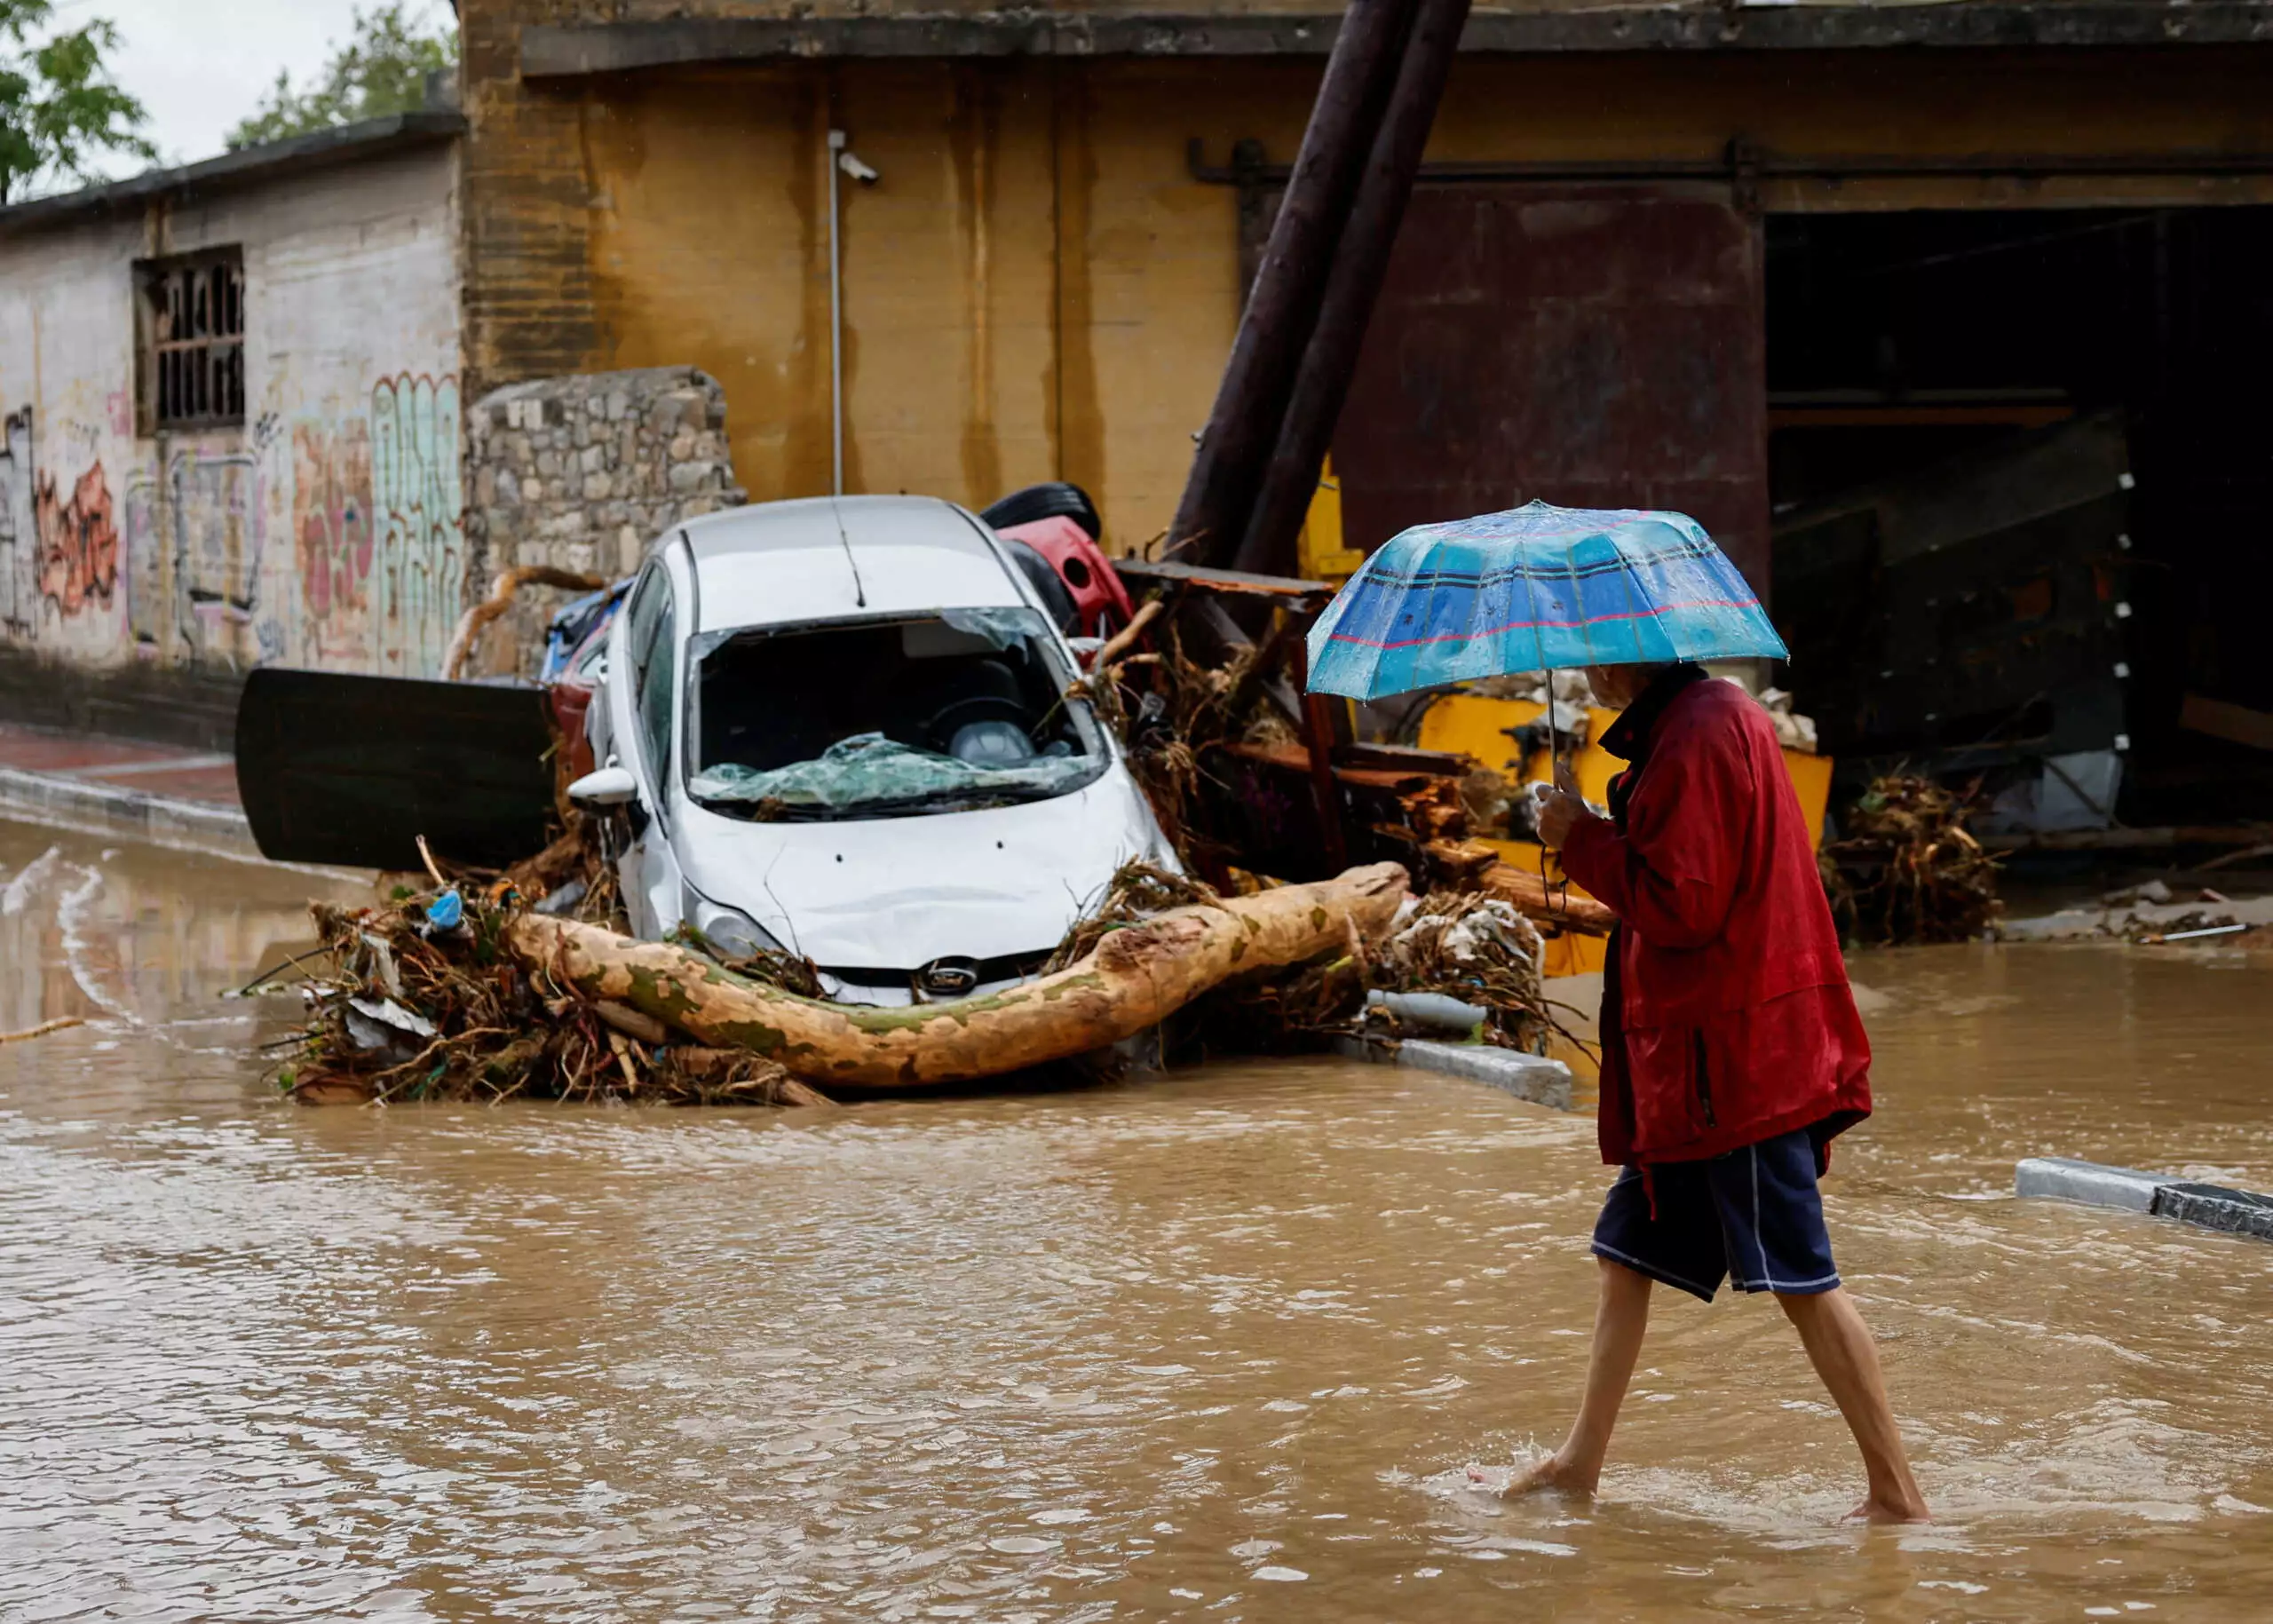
845,727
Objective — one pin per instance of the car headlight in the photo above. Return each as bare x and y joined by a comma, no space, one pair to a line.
732,931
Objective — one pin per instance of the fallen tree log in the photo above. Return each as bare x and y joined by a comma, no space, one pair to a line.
1133,980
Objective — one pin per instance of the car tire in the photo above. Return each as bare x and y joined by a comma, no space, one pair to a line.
1053,500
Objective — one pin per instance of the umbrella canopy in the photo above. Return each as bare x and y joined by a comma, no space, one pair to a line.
1536,589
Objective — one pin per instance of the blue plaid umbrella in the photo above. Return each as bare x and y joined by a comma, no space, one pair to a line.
1536,588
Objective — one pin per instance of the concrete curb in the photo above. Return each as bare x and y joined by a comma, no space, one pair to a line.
2212,1207
75,803
2062,1178
1532,1077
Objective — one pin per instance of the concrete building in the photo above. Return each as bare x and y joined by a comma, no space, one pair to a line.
230,396
1733,258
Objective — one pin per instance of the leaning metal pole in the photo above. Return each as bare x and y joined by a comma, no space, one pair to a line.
1361,261
1227,469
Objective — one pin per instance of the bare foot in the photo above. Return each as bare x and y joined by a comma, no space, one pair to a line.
1877,1510
1549,1472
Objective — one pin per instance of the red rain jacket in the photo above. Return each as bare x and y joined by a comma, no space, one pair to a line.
1726,1018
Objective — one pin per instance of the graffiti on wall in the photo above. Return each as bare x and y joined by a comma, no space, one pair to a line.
417,519
16,532
146,557
78,541
194,542
331,515
217,533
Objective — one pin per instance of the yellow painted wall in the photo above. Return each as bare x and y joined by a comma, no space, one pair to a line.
1036,264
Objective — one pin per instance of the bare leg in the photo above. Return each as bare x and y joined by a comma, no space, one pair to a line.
1839,1345
1621,1315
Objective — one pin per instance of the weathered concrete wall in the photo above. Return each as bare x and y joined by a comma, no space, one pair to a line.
326,531
582,473
1039,287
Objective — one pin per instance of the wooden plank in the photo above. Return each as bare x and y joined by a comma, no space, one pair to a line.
1403,757
2223,719
1318,738
2130,840
1287,589
1295,758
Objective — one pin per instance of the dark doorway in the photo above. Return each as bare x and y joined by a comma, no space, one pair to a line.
1903,347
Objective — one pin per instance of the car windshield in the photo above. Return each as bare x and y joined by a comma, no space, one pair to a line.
882,718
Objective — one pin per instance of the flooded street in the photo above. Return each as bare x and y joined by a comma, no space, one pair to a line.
1218,1346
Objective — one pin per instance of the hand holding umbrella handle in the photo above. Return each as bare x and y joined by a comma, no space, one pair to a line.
1558,810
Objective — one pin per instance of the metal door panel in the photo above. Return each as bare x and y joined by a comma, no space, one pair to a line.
1591,345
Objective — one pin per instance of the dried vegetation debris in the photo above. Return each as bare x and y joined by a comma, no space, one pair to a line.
420,1000
414,1009
1905,869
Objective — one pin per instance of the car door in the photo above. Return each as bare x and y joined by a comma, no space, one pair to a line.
644,675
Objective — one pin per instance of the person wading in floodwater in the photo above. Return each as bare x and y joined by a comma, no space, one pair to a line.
1731,1054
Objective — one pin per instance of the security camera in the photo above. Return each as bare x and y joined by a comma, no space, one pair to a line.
838,142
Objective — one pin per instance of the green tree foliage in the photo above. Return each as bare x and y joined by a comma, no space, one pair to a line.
59,108
381,70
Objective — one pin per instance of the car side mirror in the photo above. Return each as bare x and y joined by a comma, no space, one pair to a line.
607,786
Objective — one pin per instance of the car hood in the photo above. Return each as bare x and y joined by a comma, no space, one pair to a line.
896,893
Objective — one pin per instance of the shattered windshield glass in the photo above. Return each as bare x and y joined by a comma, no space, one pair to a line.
893,718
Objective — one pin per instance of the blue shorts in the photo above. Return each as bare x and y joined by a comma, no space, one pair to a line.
1754,1217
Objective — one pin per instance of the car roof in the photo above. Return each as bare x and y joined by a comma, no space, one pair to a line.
827,557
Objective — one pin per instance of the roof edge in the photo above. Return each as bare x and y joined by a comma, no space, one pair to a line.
246,166
577,50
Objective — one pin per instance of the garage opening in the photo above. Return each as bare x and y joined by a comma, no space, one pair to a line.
2021,469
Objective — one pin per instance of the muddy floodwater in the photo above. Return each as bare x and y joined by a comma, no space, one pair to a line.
1215,1347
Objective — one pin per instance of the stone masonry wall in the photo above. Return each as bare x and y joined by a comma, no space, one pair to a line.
584,473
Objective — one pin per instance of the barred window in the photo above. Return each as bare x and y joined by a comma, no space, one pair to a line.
194,340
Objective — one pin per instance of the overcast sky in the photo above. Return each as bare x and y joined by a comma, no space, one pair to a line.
199,65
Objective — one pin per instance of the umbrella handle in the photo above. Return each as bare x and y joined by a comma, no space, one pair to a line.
1555,773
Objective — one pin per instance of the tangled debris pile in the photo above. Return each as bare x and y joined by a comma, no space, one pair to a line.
426,1001
1475,948
459,992
526,984
1446,952
1906,870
